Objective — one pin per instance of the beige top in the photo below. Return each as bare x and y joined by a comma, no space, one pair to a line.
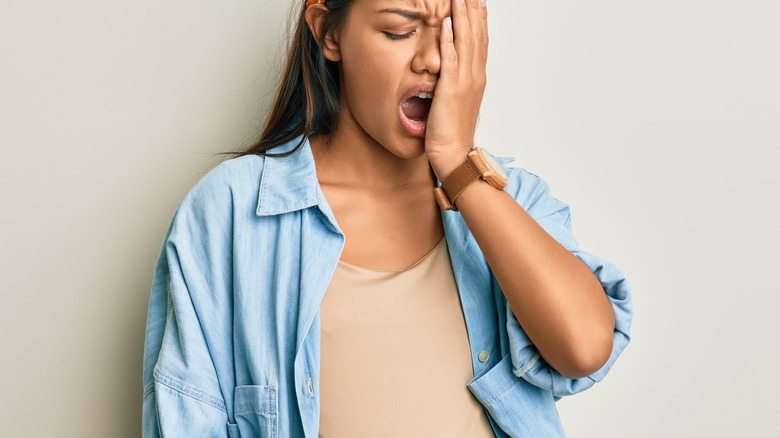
395,357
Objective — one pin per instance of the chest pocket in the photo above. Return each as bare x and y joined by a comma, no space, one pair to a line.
256,411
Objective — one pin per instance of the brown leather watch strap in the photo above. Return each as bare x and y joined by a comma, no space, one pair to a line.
479,164
441,199
455,183
459,179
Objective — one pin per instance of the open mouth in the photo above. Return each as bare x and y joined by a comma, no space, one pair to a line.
416,108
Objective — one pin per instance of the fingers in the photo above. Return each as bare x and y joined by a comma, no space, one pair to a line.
480,27
461,22
449,54
469,18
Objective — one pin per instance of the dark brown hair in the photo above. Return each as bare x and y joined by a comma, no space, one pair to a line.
307,101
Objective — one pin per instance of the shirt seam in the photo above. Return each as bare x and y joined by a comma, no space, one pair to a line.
520,372
256,411
148,389
189,390
503,393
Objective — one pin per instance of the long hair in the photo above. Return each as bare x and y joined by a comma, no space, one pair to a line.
307,101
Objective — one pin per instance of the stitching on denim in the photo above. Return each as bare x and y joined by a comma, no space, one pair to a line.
255,411
270,400
262,184
324,218
503,393
148,389
271,397
188,390
528,365
260,196
284,210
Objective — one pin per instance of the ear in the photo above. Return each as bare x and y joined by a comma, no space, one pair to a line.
315,15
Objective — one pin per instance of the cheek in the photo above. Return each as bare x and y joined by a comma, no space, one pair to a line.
373,77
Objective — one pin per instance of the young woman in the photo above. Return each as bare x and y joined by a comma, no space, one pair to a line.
318,285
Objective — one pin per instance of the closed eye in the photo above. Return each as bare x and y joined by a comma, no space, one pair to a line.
394,36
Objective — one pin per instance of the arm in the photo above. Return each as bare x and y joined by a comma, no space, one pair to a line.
189,313
553,216
556,298
181,393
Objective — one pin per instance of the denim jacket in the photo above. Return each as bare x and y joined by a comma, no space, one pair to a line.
233,332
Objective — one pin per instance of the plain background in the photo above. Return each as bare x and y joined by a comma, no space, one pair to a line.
657,122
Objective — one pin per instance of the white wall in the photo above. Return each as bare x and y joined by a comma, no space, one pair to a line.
656,121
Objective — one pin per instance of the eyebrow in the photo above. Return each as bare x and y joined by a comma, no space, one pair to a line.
412,15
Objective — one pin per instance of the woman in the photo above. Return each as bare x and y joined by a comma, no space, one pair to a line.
314,286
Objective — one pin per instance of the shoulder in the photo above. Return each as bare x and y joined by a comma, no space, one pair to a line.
240,179
528,189
533,194
230,187
232,177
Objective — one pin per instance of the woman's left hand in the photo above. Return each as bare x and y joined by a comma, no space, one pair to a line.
452,120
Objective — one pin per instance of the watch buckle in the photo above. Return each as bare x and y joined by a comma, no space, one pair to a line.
443,200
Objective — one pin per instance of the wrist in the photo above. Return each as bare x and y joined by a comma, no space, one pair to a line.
456,176
444,163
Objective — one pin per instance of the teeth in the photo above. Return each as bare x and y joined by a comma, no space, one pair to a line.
425,96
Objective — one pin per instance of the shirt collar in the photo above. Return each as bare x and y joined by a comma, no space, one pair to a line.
289,183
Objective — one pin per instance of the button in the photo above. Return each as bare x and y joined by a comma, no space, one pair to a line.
483,356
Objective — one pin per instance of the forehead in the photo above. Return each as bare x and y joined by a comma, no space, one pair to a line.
431,11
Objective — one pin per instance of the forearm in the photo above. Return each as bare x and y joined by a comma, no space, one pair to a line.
556,298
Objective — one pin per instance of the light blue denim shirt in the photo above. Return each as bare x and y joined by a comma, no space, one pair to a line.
233,332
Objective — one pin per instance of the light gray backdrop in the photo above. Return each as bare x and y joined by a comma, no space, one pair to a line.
656,121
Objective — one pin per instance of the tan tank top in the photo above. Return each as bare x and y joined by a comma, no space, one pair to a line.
395,355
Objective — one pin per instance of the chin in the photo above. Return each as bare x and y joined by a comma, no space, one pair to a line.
409,148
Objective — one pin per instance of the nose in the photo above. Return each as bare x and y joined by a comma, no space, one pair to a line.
428,56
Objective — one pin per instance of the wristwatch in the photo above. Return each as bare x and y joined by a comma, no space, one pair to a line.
479,164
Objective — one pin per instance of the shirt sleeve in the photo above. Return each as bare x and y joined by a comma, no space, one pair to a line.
554,217
182,392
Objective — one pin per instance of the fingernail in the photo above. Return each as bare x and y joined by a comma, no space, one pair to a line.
483,3
463,1
448,23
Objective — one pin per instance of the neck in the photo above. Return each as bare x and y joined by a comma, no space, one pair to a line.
345,158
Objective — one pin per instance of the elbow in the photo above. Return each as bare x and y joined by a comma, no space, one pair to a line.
590,346
587,358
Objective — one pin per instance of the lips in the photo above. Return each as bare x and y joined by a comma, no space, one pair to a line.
414,108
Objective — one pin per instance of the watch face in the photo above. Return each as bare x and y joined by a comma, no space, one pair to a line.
494,164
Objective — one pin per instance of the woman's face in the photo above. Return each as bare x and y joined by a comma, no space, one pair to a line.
390,51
